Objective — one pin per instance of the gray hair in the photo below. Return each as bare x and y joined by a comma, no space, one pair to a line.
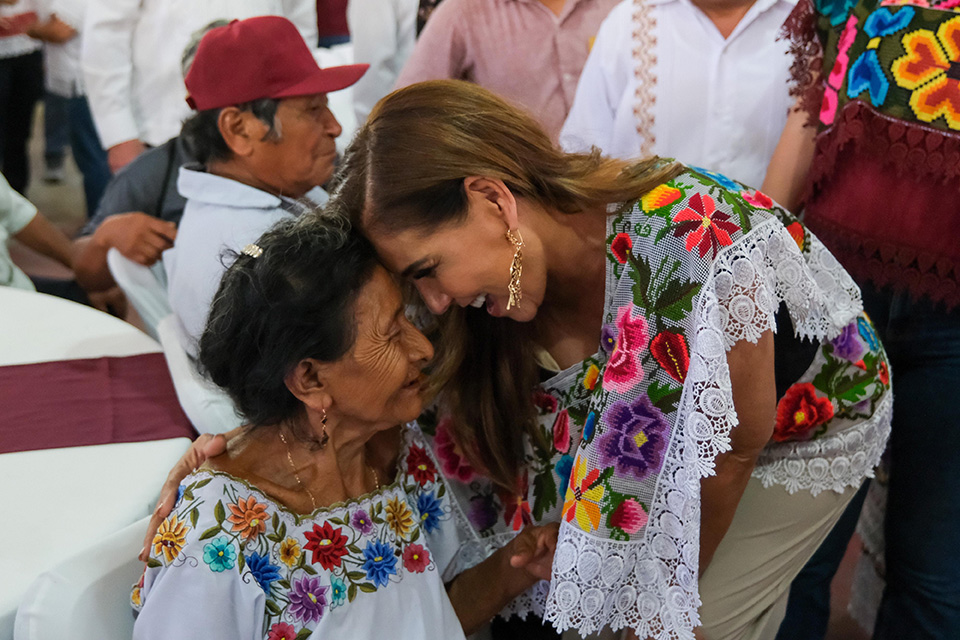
190,51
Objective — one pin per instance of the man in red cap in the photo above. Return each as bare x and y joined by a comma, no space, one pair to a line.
264,140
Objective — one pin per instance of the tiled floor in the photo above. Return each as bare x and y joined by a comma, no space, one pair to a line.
63,204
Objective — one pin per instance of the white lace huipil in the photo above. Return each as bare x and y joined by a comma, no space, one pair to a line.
694,266
230,563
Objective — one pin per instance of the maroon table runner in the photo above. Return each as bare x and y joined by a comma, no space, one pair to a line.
72,403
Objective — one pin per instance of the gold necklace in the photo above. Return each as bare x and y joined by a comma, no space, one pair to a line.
293,467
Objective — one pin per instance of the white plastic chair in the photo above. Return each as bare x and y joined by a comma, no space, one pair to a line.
145,288
208,407
88,596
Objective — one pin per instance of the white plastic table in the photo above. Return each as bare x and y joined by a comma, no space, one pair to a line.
59,501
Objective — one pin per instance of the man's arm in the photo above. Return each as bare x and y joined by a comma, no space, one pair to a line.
138,236
107,61
41,236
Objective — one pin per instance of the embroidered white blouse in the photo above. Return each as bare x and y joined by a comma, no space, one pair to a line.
230,563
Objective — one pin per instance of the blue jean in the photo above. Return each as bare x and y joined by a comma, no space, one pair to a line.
56,128
922,527
88,153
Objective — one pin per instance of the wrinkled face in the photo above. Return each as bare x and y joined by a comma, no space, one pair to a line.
466,263
380,379
304,156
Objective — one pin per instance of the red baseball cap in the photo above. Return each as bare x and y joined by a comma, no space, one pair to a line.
262,57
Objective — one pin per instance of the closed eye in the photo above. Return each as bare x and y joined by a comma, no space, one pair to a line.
426,272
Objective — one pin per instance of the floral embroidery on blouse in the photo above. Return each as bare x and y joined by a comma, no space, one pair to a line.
305,565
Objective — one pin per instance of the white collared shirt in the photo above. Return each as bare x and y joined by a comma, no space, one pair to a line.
131,58
221,215
720,103
383,33
62,61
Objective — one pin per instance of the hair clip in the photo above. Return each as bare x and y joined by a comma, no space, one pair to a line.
252,250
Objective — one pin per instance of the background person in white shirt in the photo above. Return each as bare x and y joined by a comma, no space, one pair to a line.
59,29
383,33
131,62
704,81
264,138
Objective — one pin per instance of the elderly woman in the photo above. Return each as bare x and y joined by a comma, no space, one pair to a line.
607,360
324,518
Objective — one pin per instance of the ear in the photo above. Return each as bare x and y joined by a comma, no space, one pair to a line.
307,383
240,130
493,196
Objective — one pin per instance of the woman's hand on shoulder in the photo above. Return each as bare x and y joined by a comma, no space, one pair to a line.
204,447
533,548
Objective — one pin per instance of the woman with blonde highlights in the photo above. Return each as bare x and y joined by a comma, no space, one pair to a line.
606,359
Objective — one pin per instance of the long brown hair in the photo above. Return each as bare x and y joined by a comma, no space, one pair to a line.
405,170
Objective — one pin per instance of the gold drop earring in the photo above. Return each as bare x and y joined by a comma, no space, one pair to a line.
516,269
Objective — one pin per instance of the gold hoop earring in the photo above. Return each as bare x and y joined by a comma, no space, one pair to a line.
324,438
516,269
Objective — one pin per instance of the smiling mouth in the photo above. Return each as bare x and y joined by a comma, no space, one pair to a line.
414,383
479,301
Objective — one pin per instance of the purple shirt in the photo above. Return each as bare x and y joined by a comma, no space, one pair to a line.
517,48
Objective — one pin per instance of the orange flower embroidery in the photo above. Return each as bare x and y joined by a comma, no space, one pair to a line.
170,538
659,197
249,517
930,68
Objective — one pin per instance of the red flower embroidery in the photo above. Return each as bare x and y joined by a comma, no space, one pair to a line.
544,401
516,508
561,432
416,559
758,199
328,545
799,412
420,466
795,229
451,456
621,247
282,631
629,516
669,349
884,374
708,228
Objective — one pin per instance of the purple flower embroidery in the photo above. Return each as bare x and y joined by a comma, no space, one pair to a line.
848,345
308,599
361,522
635,439
608,338
483,512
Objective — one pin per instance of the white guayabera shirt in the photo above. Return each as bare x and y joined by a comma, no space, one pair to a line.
711,102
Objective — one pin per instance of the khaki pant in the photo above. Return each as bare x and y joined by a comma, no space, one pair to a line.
773,535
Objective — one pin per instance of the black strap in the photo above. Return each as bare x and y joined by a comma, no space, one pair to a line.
171,156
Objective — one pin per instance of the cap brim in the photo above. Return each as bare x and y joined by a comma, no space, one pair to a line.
325,81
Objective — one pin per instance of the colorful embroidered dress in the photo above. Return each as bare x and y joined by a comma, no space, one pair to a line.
881,79
231,563
694,266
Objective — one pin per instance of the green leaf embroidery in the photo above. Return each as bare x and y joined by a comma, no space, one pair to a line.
305,633
351,592
219,512
273,608
366,587
202,483
209,533
309,569
153,563
665,397
194,516
676,300
356,575
544,493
